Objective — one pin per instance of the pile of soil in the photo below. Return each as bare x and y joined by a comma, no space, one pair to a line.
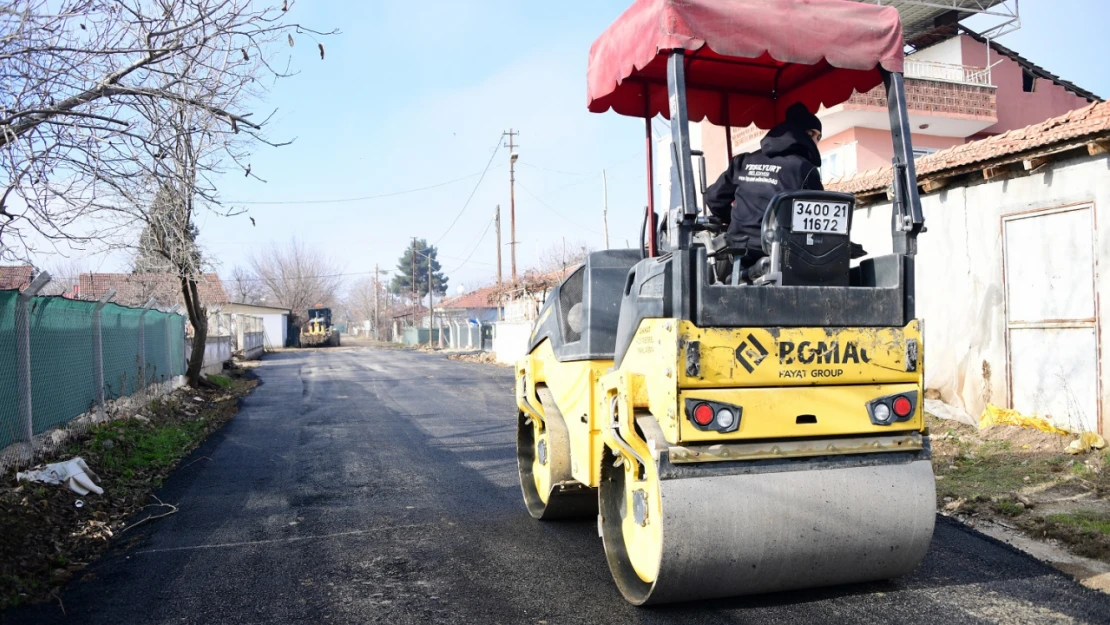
488,358
1023,479
948,434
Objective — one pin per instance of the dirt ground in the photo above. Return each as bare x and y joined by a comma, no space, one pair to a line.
1022,479
49,534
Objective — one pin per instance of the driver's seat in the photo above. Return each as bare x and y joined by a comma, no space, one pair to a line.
806,235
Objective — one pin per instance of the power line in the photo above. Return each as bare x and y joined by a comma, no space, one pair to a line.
557,171
359,199
472,192
476,246
549,207
359,273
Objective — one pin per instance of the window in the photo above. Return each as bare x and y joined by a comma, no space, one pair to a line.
1028,81
838,162
919,152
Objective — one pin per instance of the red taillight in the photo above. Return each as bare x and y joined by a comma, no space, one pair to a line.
902,406
703,415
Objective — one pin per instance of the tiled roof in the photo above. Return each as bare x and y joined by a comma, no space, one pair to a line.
134,289
1071,130
485,297
15,276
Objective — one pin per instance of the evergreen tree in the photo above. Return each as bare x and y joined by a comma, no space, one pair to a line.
413,265
168,241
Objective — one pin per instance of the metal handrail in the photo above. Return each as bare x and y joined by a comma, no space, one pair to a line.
947,72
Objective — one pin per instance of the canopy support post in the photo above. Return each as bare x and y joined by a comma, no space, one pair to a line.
907,220
680,218
650,173
728,125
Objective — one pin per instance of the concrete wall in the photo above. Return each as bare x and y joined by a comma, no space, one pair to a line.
252,344
510,340
419,336
217,351
961,288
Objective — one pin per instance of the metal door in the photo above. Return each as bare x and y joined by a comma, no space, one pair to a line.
1051,319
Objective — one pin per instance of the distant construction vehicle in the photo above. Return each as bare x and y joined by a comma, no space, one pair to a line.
318,331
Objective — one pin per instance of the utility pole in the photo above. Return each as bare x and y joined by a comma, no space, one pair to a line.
605,208
414,281
497,222
431,300
376,313
512,196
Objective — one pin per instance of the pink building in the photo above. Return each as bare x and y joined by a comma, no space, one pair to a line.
960,88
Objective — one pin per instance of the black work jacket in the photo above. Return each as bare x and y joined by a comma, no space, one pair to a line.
787,160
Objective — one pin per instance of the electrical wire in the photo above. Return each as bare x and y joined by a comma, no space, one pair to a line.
476,246
472,192
358,199
557,171
367,273
550,208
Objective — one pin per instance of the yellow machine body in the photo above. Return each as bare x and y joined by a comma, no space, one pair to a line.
804,395
805,372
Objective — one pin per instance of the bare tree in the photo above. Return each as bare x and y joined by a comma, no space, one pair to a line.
562,255
65,276
76,74
244,286
128,108
296,277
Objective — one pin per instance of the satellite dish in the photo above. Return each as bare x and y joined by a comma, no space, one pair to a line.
459,289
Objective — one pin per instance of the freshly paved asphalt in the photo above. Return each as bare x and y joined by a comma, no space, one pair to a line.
379,486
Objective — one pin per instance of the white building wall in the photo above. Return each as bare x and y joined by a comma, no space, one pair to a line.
948,51
276,327
960,287
510,340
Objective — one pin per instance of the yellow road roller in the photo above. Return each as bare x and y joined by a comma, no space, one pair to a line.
318,330
750,431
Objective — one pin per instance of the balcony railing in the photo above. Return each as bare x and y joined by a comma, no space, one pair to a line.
947,72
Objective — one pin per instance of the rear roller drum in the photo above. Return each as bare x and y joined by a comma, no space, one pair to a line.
745,529
543,461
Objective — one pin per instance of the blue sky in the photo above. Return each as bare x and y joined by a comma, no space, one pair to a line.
415,93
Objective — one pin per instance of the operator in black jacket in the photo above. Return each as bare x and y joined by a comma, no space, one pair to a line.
787,160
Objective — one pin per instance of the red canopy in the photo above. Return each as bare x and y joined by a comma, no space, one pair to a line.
741,54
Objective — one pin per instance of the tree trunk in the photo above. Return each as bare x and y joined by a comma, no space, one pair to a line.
198,316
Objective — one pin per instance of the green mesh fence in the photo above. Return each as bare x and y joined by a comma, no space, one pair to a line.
10,427
63,361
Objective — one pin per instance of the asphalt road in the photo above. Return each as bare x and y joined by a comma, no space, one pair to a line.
379,486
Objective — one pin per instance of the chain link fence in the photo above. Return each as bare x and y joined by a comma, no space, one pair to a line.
64,362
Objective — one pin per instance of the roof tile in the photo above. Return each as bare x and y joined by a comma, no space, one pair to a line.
1086,123
15,276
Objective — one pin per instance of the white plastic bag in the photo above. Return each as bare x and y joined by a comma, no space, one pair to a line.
73,473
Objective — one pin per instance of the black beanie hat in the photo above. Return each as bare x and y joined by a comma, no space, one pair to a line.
800,115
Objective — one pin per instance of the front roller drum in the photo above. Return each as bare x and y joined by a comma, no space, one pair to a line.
708,534
544,465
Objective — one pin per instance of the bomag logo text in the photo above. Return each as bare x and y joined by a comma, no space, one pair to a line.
821,353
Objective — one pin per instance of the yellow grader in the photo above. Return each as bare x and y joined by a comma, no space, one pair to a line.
764,432
318,329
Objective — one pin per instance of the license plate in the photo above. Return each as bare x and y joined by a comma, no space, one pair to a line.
820,217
